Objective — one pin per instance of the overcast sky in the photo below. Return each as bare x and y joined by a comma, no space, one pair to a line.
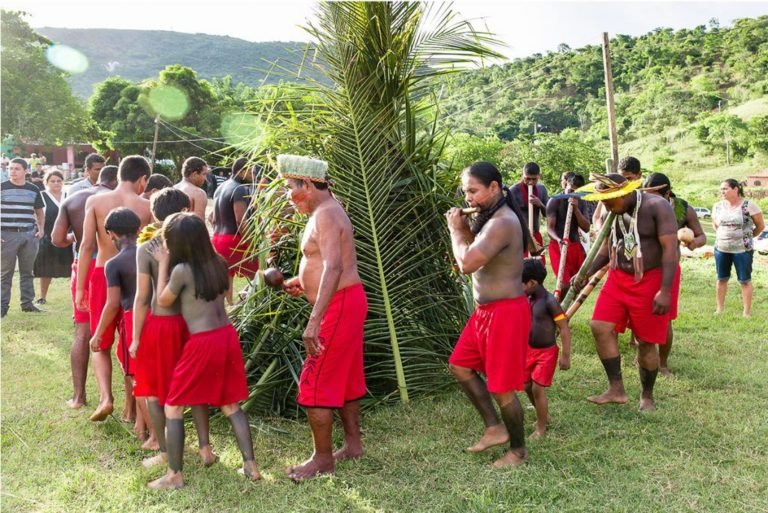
525,27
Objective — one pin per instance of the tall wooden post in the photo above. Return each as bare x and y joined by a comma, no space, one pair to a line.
609,100
154,144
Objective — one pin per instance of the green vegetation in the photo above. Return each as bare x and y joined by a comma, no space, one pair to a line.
38,104
701,451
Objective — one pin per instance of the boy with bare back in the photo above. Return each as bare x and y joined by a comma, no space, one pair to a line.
132,179
68,230
194,172
333,377
547,318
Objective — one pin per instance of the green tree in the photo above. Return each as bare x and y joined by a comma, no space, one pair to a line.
723,132
384,154
38,105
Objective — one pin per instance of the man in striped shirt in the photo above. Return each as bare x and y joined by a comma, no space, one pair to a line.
21,226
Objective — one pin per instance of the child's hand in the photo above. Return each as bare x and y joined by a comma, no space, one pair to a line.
94,343
158,251
565,361
134,348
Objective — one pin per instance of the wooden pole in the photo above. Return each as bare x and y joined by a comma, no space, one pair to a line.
584,294
154,144
609,100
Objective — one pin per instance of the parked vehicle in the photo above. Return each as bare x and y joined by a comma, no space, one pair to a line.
761,242
702,212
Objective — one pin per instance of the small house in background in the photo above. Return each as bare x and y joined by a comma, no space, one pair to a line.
758,180
757,185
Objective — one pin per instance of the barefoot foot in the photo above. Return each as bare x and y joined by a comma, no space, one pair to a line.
250,470
348,452
647,404
313,467
538,433
664,371
511,459
608,397
102,412
493,436
156,460
208,456
167,482
151,444
75,404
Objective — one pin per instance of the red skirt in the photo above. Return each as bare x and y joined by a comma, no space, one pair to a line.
97,299
160,345
236,253
79,316
336,375
573,259
210,370
541,364
495,342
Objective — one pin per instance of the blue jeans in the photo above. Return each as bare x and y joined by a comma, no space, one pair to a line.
21,246
741,261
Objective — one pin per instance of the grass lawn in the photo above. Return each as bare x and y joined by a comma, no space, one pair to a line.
703,450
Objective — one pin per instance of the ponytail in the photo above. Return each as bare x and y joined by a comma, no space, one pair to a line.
527,238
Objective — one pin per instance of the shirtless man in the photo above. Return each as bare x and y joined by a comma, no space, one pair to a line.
686,218
193,175
333,376
495,339
68,230
132,175
642,251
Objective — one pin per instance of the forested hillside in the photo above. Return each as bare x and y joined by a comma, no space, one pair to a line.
141,54
662,79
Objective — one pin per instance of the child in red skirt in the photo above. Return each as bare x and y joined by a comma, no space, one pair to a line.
122,225
158,336
210,370
547,318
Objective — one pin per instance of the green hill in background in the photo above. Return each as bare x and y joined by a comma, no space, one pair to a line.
140,54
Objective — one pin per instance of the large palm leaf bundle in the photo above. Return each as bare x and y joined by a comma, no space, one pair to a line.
384,151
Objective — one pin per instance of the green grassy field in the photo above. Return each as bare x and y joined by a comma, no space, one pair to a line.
703,450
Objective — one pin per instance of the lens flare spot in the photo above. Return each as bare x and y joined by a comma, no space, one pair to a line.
243,130
67,59
168,102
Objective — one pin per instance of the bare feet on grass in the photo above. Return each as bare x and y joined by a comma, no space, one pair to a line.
170,481
313,467
250,470
208,456
664,371
512,458
538,433
493,436
75,404
647,404
610,396
156,460
102,412
150,444
348,452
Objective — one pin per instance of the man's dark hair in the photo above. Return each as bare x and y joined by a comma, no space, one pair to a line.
630,165
168,201
21,161
486,173
238,165
192,165
122,221
188,241
657,179
132,168
108,174
92,159
531,168
576,180
533,269
158,181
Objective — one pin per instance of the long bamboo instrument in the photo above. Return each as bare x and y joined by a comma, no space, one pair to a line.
586,291
604,231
